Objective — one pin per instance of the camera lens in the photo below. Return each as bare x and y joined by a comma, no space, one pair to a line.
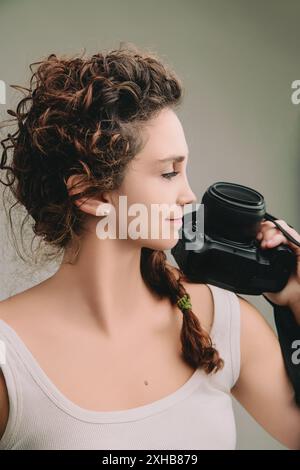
233,212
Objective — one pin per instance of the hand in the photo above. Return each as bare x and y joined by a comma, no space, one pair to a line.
270,237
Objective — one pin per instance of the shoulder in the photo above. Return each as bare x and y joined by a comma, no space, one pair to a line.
4,399
18,311
21,310
201,298
263,387
254,328
257,335
252,320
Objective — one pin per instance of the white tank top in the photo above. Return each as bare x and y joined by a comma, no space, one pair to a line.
198,415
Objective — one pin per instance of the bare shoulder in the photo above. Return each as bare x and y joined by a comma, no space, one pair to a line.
7,314
201,299
4,399
263,387
7,309
20,310
255,330
254,324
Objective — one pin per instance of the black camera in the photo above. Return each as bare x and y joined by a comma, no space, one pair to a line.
225,251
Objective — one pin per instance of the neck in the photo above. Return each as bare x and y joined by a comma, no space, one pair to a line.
106,285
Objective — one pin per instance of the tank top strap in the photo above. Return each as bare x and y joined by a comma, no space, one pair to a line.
12,369
225,331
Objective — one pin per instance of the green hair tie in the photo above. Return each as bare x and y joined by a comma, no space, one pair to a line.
184,303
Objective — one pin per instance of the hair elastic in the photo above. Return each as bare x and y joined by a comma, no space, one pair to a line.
184,303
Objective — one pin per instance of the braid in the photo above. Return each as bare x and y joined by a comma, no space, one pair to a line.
197,348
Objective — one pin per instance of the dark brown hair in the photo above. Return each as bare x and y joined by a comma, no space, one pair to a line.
85,116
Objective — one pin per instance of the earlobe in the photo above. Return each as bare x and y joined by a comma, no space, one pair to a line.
93,206
89,206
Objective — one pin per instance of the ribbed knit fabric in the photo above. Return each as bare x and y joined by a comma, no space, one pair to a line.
198,415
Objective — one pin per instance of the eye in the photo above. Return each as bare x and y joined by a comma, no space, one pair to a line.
170,175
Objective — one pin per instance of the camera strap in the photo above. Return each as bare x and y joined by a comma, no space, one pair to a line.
287,235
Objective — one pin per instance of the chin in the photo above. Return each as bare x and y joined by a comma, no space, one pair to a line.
161,244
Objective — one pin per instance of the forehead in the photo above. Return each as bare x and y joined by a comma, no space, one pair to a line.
164,140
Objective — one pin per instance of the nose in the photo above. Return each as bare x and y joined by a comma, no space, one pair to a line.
187,196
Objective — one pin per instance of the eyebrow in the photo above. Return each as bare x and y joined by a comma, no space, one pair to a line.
171,158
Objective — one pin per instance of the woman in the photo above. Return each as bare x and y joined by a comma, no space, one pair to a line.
117,350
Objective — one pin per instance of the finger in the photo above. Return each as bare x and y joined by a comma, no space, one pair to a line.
274,241
293,233
290,230
285,226
267,226
268,233
268,223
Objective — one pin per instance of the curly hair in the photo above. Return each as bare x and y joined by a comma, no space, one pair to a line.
85,116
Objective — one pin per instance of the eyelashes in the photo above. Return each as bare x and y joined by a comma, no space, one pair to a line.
171,175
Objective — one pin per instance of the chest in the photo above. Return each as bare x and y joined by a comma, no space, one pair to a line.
118,376
133,370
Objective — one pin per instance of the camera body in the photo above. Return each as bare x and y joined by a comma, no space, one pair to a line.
227,254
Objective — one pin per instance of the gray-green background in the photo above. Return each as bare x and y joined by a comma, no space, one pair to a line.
237,59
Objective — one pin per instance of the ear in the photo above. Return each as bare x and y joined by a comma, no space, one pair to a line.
75,185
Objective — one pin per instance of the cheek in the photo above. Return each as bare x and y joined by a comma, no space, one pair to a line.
147,191
141,193
137,190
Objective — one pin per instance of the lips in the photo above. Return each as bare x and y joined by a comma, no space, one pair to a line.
179,217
